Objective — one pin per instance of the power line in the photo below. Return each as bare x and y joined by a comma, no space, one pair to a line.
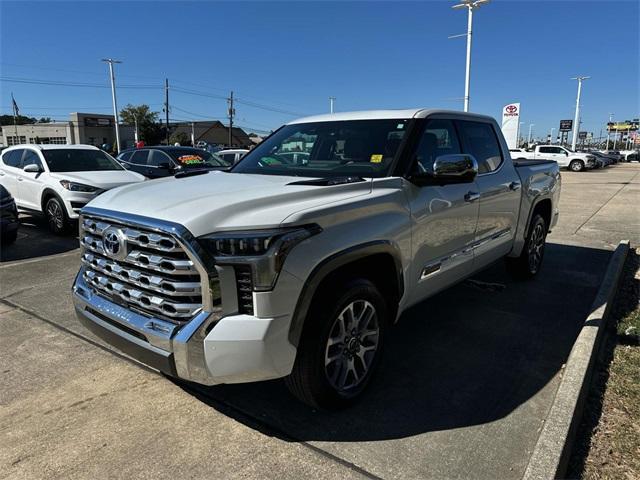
58,83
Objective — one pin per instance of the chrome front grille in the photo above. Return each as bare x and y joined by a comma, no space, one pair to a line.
154,275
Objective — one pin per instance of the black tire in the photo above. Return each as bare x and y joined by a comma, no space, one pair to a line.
315,383
56,215
528,264
576,166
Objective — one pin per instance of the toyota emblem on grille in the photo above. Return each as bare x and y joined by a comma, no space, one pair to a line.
114,243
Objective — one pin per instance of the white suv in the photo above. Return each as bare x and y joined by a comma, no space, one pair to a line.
58,180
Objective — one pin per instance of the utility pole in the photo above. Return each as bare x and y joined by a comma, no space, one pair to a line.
531,125
193,134
232,112
470,5
166,108
331,100
576,119
135,121
111,61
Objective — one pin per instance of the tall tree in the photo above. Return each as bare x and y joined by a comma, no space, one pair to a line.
149,129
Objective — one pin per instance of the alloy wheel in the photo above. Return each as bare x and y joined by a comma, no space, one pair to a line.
536,247
56,217
352,345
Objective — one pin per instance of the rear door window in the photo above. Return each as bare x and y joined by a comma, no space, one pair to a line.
480,141
140,157
158,158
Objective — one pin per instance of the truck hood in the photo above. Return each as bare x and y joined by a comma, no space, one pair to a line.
224,201
105,180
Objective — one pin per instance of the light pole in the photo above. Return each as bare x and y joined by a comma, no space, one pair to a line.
576,119
609,131
111,61
531,125
135,122
331,100
551,135
470,5
519,127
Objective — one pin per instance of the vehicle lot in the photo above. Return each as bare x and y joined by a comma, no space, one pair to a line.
466,383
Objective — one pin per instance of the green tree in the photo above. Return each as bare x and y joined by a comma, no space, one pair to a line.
149,129
20,120
180,137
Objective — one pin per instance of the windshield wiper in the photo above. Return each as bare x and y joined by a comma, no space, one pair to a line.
325,182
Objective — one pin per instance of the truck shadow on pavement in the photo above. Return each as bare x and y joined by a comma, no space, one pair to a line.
35,240
468,356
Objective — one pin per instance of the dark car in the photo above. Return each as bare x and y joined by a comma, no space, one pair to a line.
8,218
161,161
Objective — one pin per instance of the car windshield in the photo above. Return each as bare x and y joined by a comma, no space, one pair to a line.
364,148
196,158
79,160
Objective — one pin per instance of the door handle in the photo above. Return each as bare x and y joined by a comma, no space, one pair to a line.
515,186
471,196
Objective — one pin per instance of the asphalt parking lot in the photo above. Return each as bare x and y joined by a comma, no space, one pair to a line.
466,382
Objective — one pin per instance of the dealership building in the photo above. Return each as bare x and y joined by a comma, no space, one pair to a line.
82,128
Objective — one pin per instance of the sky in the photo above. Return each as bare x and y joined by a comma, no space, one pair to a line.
284,59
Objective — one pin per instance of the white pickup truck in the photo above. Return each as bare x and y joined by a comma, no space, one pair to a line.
565,158
280,268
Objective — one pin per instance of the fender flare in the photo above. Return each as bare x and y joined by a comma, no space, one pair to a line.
329,265
45,193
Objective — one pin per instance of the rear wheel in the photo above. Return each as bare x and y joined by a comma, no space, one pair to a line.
528,264
56,215
576,166
340,346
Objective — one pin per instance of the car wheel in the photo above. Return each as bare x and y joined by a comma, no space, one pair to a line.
528,264
56,215
576,166
341,345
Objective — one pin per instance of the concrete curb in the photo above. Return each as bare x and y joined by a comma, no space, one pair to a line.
551,453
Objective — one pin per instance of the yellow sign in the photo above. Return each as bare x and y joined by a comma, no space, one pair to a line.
376,159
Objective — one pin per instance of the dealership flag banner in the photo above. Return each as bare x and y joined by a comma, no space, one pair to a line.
510,123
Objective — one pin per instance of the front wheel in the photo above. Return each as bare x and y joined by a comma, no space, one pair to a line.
341,345
56,215
576,166
528,264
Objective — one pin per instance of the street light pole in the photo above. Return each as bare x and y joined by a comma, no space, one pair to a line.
551,135
331,100
470,5
609,131
529,141
576,119
111,61
519,126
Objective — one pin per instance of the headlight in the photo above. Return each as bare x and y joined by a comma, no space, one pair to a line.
263,250
77,187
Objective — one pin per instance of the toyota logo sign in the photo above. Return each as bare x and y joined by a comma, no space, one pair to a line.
511,109
114,243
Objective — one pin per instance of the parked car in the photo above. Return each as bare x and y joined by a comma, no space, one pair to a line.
629,155
8,218
606,160
58,180
613,153
234,155
566,158
277,269
162,161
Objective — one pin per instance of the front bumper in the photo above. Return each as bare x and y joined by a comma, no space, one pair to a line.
210,349
75,201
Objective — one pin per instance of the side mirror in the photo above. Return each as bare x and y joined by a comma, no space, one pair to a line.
448,169
32,168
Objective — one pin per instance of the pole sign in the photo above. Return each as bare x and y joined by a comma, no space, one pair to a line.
511,123
566,125
627,126
582,135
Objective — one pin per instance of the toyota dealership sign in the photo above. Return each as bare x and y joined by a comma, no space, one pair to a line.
511,123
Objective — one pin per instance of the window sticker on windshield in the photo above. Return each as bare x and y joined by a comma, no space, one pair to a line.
376,158
400,126
190,159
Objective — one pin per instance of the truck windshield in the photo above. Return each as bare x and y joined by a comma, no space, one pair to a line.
79,160
364,148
